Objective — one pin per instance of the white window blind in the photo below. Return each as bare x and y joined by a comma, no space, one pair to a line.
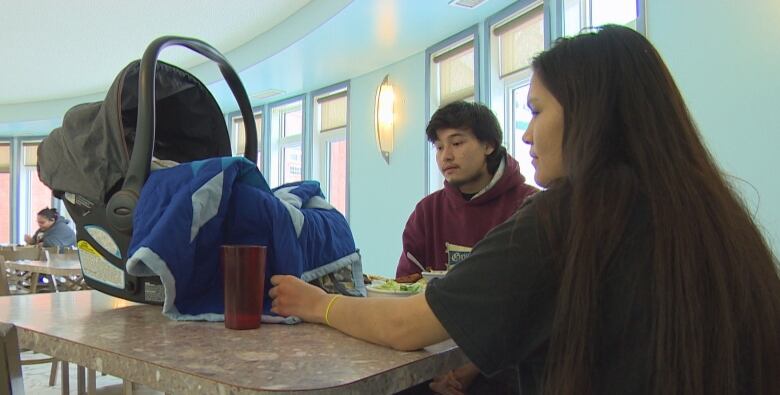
456,73
5,158
329,156
5,194
30,154
520,39
241,133
333,112
238,123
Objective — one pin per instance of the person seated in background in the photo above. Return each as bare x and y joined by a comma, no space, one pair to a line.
638,270
483,187
53,230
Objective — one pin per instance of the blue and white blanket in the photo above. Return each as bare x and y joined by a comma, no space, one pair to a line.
186,212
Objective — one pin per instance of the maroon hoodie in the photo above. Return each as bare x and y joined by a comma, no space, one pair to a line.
445,216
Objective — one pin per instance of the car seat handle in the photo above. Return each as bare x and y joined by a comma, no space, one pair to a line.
121,205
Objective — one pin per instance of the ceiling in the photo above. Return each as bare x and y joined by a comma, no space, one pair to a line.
60,53
77,46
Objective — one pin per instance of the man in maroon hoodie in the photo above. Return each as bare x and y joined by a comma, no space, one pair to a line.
482,188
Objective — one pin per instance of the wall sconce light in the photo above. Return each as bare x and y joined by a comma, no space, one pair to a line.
385,118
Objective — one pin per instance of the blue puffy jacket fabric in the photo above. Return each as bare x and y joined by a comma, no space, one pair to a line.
185,213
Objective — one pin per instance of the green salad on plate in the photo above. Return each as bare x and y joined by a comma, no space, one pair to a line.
392,285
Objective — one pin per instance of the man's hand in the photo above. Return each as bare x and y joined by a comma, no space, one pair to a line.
447,385
293,296
455,382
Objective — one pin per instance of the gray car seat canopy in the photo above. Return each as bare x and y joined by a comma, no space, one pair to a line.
89,154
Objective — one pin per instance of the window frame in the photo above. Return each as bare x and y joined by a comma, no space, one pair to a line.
20,193
431,98
500,89
319,147
230,119
497,88
586,17
11,190
517,81
278,142
25,189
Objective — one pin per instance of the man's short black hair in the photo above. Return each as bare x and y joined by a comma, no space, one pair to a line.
474,116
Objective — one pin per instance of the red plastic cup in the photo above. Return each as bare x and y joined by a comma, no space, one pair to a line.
243,269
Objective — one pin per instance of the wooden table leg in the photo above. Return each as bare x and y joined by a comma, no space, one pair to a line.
91,382
54,282
81,387
127,387
65,378
53,373
33,282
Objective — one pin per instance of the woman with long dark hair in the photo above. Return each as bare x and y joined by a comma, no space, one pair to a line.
638,269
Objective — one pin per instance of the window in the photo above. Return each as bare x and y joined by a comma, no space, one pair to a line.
520,117
330,142
22,194
291,163
238,134
5,193
518,33
452,74
579,14
454,70
34,195
519,40
516,36
286,143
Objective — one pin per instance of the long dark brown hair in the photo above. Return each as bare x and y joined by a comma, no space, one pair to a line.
714,285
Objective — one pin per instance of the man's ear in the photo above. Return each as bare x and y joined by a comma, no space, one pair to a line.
489,149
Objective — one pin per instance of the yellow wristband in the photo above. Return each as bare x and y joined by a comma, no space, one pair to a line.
327,309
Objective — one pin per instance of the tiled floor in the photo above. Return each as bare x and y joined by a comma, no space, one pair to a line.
36,382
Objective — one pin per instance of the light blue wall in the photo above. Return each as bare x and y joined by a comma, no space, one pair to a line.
382,196
725,57
29,128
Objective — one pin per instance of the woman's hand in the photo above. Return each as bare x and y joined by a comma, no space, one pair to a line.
293,296
28,239
401,323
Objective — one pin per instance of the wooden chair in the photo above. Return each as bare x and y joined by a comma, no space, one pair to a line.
4,291
22,280
30,253
45,251
11,381
65,255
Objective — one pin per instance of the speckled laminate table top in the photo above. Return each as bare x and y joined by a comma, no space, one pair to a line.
138,343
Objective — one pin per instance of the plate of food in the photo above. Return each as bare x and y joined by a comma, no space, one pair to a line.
393,288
